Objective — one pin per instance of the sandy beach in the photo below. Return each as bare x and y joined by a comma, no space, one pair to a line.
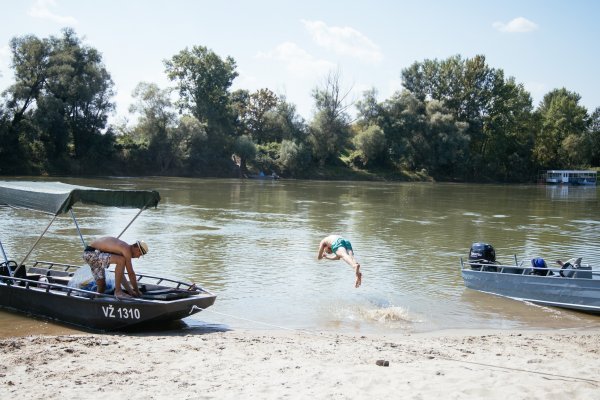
201,364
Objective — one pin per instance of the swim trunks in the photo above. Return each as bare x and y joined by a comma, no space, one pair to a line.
97,260
340,242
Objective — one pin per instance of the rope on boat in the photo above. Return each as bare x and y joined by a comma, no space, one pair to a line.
441,357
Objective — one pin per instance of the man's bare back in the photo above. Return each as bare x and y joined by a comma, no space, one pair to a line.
112,245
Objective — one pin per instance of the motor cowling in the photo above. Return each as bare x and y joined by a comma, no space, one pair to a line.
481,253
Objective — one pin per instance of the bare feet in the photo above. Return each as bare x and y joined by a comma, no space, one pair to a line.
358,275
358,279
122,296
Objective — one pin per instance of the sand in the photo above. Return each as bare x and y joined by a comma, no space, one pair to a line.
201,364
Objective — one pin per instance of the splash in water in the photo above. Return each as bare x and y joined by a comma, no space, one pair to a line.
387,314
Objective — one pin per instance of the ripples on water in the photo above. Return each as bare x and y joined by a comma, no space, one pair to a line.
255,244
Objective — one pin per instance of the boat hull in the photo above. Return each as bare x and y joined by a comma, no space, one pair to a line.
100,313
572,293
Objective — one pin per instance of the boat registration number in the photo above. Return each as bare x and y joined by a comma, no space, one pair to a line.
121,312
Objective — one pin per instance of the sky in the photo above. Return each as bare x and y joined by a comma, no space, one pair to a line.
291,46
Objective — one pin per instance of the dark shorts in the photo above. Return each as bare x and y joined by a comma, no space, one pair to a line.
98,262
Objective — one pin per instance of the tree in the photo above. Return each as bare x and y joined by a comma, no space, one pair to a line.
371,144
563,121
594,137
155,125
79,79
30,62
369,110
245,149
329,130
448,145
284,123
59,102
403,123
497,110
189,136
508,133
293,157
253,114
203,80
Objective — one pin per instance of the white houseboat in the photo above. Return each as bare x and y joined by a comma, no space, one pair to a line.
570,177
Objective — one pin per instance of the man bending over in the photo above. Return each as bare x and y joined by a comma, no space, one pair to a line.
109,250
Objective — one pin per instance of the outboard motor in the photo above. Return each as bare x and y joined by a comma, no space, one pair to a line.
482,253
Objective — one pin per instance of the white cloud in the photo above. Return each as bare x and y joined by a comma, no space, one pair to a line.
41,9
517,25
344,41
298,61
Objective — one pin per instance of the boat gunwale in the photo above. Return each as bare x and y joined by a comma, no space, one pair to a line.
64,289
528,270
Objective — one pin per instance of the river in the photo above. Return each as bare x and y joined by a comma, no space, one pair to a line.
254,244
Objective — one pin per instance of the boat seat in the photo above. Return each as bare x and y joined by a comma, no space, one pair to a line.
55,273
582,272
35,270
63,280
167,294
512,270
49,272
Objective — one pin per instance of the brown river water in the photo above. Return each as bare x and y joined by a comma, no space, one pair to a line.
254,244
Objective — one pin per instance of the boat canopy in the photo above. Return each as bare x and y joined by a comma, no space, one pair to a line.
58,198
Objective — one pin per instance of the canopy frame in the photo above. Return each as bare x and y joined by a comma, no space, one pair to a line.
63,197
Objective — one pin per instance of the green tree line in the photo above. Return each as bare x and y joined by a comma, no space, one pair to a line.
454,119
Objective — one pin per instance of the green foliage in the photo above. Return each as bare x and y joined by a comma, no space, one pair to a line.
284,123
253,114
369,111
497,111
371,145
244,147
559,142
293,157
329,131
266,159
456,118
203,80
593,135
58,105
448,145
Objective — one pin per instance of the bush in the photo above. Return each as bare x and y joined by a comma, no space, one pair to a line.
371,145
293,157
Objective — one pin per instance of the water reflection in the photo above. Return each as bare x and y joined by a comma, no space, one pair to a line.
254,244
570,192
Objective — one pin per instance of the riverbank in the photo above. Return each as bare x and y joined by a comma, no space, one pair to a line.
194,364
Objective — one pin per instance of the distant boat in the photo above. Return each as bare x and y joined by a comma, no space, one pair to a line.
273,176
569,177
